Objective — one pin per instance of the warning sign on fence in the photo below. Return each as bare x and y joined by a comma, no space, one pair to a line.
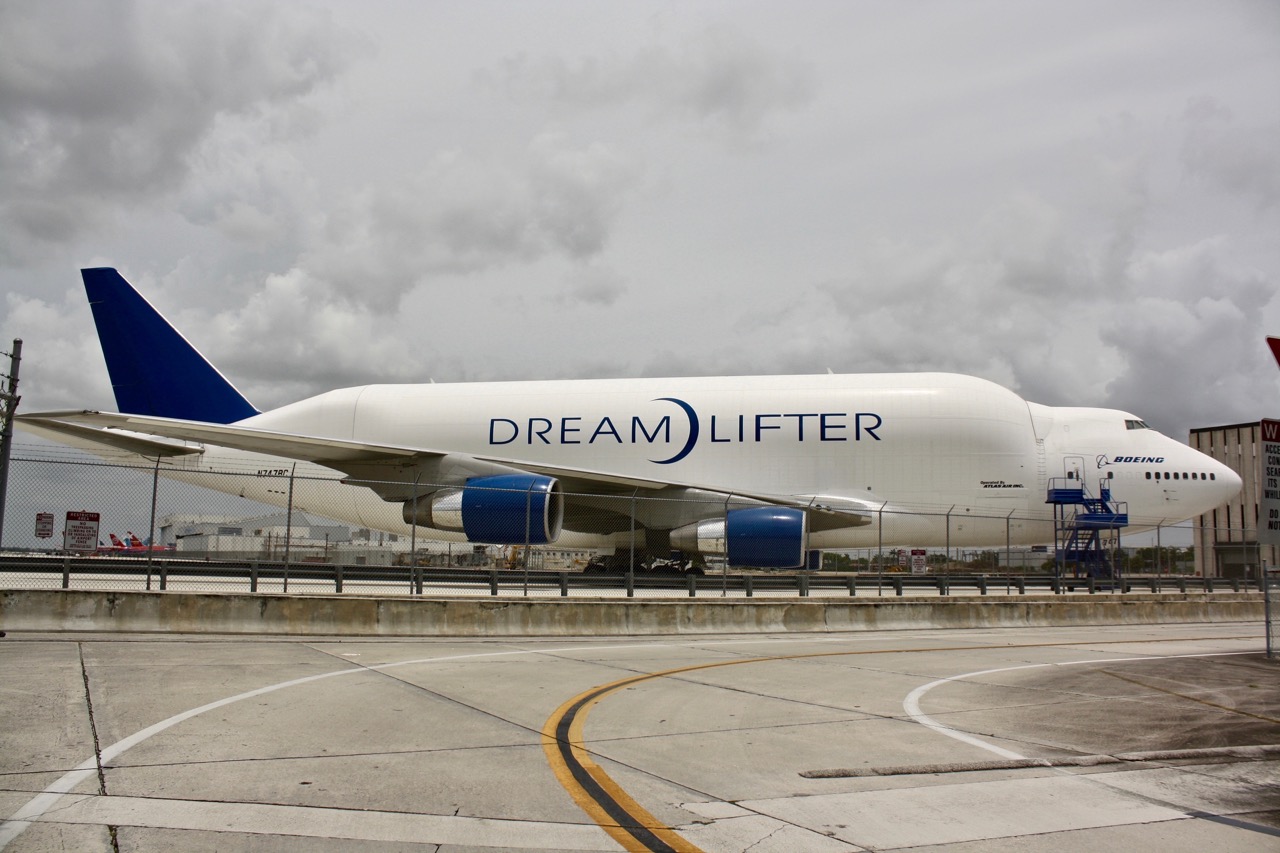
44,525
81,532
1269,500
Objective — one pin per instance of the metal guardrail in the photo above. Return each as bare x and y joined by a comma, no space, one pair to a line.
114,573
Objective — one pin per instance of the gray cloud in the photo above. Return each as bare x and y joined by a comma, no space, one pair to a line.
1078,203
467,213
1243,160
717,75
104,104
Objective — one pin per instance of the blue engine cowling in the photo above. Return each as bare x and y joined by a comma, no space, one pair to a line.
769,537
506,509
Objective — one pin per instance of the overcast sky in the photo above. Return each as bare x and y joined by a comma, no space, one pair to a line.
1078,200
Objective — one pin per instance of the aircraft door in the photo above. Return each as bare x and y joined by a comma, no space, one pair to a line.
1073,468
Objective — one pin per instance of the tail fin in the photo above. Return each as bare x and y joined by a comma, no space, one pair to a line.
153,369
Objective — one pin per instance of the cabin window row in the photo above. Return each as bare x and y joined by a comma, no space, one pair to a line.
1166,475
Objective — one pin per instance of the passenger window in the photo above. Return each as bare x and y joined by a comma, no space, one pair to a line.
1213,476
1148,475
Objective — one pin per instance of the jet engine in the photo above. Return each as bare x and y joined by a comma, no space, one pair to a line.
770,537
507,509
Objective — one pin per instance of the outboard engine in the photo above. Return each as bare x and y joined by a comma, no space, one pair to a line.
769,537
506,509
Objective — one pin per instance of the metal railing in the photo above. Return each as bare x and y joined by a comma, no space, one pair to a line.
123,573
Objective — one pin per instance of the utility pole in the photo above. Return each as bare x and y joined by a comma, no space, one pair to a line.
9,397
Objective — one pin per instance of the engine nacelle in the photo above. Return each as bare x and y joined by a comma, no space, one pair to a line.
506,509
768,536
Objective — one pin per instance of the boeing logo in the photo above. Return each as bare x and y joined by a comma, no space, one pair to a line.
685,428
1103,461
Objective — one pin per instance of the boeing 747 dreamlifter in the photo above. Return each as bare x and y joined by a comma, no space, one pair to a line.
759,468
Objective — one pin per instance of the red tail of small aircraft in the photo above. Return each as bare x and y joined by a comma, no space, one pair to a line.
1274,343
115,541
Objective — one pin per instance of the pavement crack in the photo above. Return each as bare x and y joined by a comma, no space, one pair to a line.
112,830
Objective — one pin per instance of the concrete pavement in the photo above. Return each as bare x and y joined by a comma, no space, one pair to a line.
1092,738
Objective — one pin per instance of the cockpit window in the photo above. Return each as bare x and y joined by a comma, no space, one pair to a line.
1129,424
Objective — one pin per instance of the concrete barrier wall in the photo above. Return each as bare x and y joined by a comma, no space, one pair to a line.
205,613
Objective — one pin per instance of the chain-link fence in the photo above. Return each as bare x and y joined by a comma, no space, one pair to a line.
187,522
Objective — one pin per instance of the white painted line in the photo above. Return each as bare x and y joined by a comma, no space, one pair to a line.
911,705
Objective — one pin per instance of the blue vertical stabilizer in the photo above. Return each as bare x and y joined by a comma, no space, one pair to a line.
154,371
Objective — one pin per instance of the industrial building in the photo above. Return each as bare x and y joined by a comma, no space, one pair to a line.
1226,538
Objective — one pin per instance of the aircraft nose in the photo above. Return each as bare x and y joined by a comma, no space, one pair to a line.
1229,483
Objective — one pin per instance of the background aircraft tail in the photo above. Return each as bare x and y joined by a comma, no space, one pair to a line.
153,369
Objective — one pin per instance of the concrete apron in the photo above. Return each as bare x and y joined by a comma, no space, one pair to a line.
346,615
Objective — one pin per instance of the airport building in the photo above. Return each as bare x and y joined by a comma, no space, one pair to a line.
1226,538
312,540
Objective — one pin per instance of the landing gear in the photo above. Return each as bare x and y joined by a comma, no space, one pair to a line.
620,564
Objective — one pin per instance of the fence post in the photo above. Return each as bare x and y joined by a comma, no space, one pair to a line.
151,535
164,576
415,577
803,582
66,573
528,521
10,399
1008,552
288,527
564,584
853,585
1266,608
493,581
631,552
746,585
337,578
691,581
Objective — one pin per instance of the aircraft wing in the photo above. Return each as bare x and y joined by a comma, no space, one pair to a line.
87,436
387,469
325,451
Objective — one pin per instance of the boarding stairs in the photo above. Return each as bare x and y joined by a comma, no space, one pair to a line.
1080,522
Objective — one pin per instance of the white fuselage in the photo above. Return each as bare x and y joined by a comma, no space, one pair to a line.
933,458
